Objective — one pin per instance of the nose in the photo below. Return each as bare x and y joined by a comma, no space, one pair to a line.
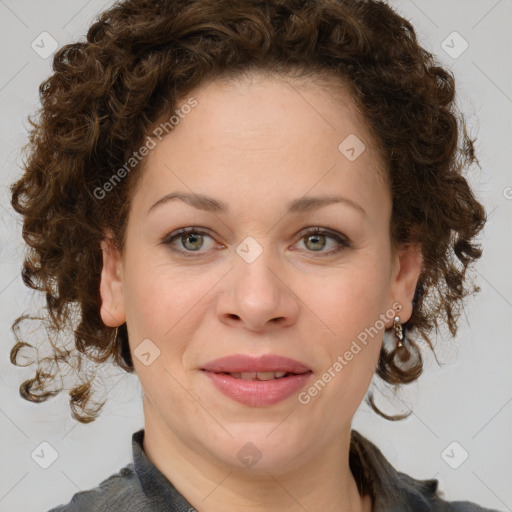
259,295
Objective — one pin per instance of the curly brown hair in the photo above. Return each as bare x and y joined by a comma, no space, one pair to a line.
139,58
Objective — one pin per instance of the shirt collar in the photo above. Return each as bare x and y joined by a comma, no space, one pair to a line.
390,489
157,488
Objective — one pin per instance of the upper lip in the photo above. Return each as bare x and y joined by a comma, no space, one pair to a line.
238,363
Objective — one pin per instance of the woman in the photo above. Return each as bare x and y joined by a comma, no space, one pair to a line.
189,157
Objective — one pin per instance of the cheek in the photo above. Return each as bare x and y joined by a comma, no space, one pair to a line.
352,307
153,296
351,299
157,316
165,306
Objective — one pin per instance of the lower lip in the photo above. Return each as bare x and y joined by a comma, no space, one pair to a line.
258,393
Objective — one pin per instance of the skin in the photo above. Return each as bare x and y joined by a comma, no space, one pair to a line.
257,144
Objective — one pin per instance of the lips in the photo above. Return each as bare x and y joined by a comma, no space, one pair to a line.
257,381
239,363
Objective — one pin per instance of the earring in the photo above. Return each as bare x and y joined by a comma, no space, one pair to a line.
397,327
115,335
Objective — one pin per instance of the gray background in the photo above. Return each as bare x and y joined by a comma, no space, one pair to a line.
468,400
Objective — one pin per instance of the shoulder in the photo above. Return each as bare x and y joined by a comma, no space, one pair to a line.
119,492
425,495
466,506
394,490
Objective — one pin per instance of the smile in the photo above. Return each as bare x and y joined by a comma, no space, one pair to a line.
257,381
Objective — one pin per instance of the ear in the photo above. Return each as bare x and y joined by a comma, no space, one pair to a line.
111,284
406,273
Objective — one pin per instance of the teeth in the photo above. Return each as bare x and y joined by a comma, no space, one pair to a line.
248,375
266,375
258,375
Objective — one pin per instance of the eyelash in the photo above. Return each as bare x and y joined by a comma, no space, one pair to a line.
170,238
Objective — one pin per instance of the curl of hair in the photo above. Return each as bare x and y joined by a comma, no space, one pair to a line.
140,57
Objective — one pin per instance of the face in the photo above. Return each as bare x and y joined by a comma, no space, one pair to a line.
252,278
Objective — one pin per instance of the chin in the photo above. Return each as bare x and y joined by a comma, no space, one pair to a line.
260,448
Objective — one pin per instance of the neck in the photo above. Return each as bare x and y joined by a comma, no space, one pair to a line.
323,482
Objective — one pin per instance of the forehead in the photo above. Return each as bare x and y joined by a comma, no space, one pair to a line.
268,132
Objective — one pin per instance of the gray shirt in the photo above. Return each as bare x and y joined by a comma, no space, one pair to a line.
141,487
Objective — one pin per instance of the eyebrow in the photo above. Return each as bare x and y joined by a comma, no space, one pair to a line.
297,206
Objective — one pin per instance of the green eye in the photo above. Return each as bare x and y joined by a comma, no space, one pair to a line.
319,236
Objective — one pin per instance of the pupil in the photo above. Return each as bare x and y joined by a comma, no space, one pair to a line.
317,237
193,237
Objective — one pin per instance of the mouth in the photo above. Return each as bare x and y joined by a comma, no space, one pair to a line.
257,381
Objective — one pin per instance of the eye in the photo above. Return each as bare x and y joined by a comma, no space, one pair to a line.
316,240
191,239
